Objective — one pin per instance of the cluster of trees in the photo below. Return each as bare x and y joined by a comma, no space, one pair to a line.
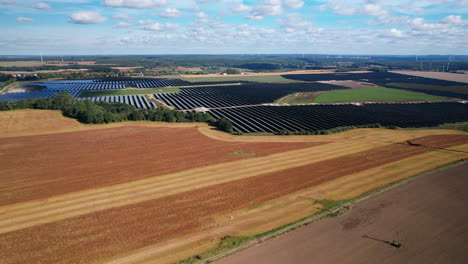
105,112
326,131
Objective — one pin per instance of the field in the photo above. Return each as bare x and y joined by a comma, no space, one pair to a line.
366,232
140,192
372,94
20,63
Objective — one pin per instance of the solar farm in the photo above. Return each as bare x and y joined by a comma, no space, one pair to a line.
186,192
251,109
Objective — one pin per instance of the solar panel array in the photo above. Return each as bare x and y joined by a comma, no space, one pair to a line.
9,97
323,117
74,87
235,95
138,101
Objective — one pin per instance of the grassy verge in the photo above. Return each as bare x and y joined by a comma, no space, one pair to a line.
373,94
329,210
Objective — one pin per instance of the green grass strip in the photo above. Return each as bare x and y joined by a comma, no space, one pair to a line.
373,94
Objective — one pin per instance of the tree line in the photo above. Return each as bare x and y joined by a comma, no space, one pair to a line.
90,112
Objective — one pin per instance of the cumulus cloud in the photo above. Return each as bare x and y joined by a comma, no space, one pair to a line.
42,6
170,13
338,8
266,8
24,19
396,33
201,15
135,3
86,17
293,4
155,26
240,8
455,20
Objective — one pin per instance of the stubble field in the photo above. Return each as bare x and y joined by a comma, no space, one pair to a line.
155,193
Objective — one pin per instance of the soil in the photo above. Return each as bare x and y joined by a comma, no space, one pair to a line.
428,216
37,167
108,233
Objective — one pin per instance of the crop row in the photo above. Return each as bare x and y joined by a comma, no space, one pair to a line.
324,117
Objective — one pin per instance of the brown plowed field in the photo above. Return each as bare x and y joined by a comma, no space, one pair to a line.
111,232
430,214
42,166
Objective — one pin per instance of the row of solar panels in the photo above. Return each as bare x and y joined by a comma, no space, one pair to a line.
138,101
10,97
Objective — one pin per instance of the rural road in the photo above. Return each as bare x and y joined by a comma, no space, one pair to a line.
429,214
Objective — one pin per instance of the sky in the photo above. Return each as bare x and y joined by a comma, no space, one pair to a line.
365,27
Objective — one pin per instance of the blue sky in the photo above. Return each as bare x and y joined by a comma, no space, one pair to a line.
93,27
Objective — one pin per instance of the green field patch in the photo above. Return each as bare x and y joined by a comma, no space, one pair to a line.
298,98
373,94
455,89
264,79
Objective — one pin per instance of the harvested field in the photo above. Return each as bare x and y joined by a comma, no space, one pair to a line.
455,77
42,166
110,232
432,228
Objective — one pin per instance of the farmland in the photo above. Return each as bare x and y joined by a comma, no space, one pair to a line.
372,94
177,189
366,231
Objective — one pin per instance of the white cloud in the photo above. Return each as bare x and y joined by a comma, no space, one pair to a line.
266,8
455,20
7,2
254,17
123,24
135,3
121,16
295,22
375,11
240,8
338,8
86,17
170,13
293,4
396,33
42,6
201,15
24,19
155,26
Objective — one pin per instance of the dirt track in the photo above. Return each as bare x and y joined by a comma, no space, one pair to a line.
430,214
110,232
